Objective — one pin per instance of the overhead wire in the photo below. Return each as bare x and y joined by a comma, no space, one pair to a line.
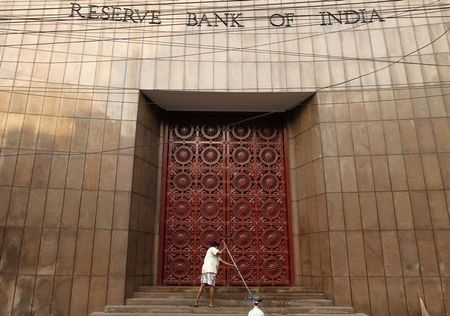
316,17
215,47
119,150
110,88
226,48
146,3
276,52
439,8
223,8
263,6
393,63
108,93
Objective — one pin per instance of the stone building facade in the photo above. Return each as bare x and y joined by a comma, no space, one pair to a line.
82,137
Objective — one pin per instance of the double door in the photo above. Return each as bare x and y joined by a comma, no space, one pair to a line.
225,180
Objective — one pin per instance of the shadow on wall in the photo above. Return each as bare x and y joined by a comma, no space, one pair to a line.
78,204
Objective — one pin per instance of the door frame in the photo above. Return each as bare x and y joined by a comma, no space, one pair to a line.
164,183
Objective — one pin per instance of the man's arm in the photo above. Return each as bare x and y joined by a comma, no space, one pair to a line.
226,263
220,252
224,247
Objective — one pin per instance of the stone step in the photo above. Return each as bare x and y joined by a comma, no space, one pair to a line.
231,301
232,295
228,289
156,310
221,314
180,302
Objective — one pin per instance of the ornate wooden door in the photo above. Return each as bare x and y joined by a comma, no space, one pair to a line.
226,181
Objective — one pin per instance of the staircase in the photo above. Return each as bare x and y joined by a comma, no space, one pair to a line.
230,301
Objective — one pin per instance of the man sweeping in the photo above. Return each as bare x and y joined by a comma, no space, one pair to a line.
209,271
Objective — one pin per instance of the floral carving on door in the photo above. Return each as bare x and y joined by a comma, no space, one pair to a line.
225,180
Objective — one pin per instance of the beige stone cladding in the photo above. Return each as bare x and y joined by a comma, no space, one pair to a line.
80,147
370,200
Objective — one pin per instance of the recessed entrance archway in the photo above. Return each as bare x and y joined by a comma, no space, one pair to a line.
225,178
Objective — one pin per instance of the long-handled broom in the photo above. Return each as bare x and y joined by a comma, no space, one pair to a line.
255,299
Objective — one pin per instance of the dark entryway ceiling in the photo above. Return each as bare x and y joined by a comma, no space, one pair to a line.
173,100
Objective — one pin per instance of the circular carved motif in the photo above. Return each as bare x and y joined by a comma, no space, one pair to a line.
210,155
241,182
271,238
210,209
209,235
241,155
245,265
271,210
269,182
242,238
271,268
180,267
210,131
183,154
268,156
241,210
184,131
182,181
181,210
180,237
210,181
267,132
241,132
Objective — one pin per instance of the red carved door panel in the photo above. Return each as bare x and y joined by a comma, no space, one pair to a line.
226,180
